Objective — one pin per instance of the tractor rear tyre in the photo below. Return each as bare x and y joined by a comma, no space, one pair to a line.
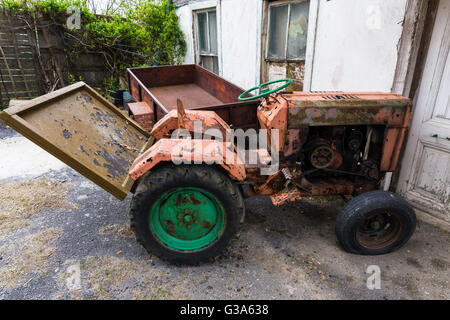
375,223
186,214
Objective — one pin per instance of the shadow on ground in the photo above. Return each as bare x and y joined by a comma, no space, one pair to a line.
86,251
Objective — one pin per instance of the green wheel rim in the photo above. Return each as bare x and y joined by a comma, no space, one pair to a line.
187,219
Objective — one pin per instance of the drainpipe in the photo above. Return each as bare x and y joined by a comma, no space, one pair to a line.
160,47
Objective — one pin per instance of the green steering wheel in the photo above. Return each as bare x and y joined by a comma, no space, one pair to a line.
264,93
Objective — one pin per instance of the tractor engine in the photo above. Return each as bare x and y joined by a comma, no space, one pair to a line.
333,143
342,150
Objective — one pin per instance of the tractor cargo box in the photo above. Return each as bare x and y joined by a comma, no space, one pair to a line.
196,87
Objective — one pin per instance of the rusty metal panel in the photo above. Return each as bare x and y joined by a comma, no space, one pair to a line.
321,109
240,116
85,131
192,95
209,120
191,151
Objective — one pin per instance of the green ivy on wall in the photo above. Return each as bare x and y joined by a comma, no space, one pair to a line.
138,33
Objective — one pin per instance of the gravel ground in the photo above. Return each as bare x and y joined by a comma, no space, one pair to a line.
83,249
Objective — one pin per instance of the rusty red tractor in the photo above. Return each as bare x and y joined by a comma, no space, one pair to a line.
191,173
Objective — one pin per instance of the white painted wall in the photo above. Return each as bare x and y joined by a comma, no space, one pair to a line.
356,44
240,41
185,15
239,36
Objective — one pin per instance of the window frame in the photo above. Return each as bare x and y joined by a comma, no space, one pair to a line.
285,59
198,52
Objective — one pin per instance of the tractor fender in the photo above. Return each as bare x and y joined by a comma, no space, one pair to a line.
190,151
186,119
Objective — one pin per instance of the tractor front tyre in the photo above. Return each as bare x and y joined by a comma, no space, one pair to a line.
375,223
186,214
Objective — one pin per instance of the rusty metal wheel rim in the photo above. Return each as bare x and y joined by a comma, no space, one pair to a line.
379,230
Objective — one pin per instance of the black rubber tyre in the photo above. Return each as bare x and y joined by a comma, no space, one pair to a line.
374,223
171,177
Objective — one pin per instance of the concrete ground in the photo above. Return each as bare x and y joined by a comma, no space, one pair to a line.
62,237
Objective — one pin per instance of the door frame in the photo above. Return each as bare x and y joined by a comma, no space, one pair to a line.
310,43
419,23
412,53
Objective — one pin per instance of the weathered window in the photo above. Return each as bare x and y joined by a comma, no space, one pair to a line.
207,40
288,30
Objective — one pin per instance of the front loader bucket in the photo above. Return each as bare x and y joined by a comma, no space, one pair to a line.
85,131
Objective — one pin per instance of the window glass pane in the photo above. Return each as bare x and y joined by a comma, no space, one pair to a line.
207,62
213,31
216,65
298,30
277,32
210,62
202,31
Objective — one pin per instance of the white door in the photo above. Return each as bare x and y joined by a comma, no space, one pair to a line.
425,168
